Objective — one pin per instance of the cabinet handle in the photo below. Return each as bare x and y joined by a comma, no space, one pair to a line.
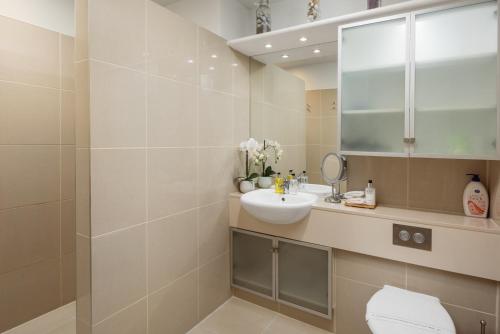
409,140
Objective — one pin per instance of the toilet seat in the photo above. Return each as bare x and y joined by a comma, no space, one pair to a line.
395,311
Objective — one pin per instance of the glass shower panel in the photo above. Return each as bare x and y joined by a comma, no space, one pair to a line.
252,262
455,81
373,86
304,276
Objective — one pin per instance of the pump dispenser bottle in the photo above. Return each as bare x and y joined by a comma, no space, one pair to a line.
475,199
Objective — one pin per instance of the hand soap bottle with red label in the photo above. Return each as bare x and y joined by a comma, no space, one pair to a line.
476,199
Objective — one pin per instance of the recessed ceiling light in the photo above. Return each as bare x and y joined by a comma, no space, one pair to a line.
303,39
317,51
268,46
190,61
234,65
214,56
211,68
285,56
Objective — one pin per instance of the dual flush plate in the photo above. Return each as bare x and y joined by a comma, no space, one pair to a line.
411,236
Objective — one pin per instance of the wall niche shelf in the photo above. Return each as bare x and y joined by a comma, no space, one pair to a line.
320,32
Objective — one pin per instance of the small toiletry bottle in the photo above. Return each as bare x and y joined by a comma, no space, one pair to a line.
293,186
290,174
476,199
278,184
370,194
305,179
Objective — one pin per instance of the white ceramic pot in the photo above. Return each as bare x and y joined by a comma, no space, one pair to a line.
246,186
265,182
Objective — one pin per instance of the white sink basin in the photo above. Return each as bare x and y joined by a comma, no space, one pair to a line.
319,190
267,206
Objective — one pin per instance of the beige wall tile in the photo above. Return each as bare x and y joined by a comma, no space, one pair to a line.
172,181
438,184
329,131
68,278
241,126
213,285
28,235
82,188
68,105
328,102
68,165
313,131
369,269
28,115
28,293
389,176
313,101
467,321
29,54
118,186
351,306
33,175
117,106
174,310
313,159
213,227
132,320
216,170
68,227
172,245
215,119
118,271
81,29
172,45
238,316
81,327
83,281
118,36
216,70
82,105
475,293
172,113
67,62
241,74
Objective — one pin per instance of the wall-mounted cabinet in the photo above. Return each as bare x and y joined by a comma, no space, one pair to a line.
422,84
294,273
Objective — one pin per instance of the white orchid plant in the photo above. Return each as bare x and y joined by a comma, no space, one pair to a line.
250,148
269,149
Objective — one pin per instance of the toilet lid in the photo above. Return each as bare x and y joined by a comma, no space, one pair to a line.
394,311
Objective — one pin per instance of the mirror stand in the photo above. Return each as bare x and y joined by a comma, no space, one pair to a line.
336,195
334,171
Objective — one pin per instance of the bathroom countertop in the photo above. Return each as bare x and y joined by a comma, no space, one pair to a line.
485,225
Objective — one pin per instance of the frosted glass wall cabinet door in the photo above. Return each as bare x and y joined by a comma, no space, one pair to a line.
252,262
374,80
454,69
304,276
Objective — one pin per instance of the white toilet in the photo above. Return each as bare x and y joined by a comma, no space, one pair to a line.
396,311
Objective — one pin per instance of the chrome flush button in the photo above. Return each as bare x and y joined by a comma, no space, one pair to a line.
419,238
404,235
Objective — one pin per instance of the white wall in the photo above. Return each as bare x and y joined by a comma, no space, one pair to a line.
317,76
56,15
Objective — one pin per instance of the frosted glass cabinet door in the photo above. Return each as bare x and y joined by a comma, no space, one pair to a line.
373,84
455,71
304,276
252,261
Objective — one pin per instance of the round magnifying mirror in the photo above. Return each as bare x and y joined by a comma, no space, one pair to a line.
334,170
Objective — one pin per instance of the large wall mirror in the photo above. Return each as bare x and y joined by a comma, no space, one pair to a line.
294,101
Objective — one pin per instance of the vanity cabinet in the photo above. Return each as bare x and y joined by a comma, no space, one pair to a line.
421,84
291,272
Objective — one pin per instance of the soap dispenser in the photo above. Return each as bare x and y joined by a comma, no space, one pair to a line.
476,200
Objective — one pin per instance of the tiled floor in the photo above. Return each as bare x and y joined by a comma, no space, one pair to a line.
237,316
